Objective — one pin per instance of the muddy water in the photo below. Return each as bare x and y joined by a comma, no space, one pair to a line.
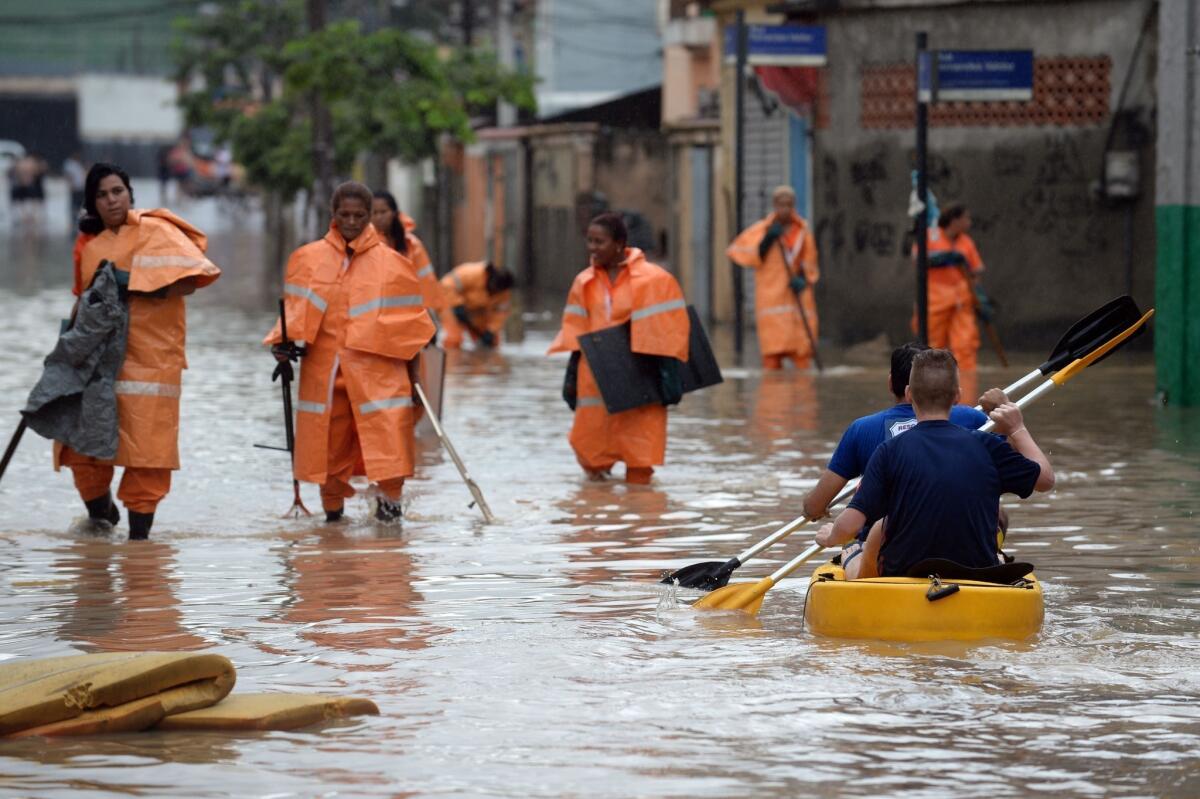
537,657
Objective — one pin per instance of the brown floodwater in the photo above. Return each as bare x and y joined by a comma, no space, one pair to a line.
538,656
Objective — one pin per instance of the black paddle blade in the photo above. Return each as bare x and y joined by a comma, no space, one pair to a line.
707,576
1092,331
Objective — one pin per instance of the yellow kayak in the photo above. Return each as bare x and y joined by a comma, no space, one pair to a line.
920,609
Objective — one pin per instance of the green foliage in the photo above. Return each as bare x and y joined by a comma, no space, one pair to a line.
257,70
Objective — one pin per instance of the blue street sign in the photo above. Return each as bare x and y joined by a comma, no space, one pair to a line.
779,45
984,75
924,77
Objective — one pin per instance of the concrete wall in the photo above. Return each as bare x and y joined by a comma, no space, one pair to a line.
1053,251
1177,321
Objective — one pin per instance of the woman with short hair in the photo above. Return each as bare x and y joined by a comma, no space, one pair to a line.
356,307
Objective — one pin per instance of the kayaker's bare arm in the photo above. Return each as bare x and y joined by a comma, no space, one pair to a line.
816,504
843,529
1010,423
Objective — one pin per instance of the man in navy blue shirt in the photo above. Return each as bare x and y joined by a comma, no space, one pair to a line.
868,432
937,488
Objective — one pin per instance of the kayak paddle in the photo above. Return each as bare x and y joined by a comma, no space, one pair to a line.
1081,338
748,597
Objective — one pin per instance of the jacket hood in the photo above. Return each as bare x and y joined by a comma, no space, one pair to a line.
191,231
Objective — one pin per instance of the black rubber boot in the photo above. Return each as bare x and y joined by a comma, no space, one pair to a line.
388,511
103,509
332,516
139,525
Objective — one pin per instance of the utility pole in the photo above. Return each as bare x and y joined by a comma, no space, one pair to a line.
322,132
739,130
925,81
506,113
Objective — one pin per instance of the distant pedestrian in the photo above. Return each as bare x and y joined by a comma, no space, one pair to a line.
782,251
27,190
223,167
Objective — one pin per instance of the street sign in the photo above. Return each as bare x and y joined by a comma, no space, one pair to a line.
779,45
984,75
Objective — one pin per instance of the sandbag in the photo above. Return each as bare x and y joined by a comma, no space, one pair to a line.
35,695
269,712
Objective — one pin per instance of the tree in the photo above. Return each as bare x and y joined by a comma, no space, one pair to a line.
254,68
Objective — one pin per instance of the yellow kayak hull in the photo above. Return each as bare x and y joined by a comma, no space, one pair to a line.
896,608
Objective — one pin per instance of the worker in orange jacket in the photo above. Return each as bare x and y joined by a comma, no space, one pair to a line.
397,230
954,263
782,251
356,307
622,286
164,259
477,301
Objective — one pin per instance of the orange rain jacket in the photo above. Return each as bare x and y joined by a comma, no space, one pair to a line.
435,300
157,248
780,328
466,285
649,296
951,318
363,315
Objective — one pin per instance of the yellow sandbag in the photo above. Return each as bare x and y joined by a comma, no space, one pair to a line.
38,693
140,714
269,712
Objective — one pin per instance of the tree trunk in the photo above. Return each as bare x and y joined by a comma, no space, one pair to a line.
322,133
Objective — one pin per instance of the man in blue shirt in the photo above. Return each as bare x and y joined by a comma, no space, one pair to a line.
937,489
868,432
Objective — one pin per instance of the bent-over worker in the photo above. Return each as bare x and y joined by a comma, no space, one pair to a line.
163,257
782,251
477,299
358,311
622,286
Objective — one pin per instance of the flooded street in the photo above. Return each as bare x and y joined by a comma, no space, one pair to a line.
538,656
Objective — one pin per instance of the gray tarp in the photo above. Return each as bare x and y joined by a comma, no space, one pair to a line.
75,400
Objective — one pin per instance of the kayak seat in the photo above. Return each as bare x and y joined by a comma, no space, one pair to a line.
1001,573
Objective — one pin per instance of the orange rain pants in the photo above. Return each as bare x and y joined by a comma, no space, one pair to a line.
652,298
951,318
345,454
780,325
141,488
